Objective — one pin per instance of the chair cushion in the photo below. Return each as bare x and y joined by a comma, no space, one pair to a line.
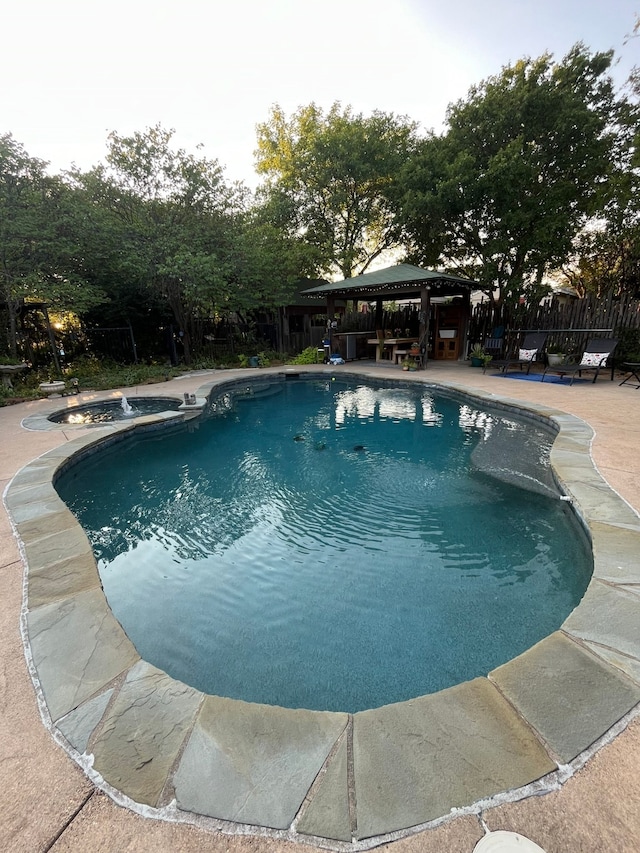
527,354
593,359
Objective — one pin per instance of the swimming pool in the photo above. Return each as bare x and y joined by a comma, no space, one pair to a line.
145,738
333,545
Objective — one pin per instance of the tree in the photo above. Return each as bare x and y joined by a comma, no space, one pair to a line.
606,257
329,181
108,253
39,251
19,177
523,164
176,220
607,261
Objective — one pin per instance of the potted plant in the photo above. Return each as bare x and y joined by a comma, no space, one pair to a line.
406,362
555,355
477,356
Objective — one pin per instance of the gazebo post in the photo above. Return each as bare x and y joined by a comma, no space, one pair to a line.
425,310
378,315
331,312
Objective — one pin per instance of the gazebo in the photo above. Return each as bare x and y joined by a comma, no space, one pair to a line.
440,334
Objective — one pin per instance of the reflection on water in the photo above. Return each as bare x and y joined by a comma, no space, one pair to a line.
386,403
108,411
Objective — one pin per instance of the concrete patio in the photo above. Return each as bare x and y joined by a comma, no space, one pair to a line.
49,804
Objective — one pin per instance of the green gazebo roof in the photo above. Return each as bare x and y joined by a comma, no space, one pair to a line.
401,278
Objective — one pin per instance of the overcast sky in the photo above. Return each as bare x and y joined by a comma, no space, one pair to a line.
74,70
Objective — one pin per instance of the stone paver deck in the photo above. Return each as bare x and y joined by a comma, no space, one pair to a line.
353,781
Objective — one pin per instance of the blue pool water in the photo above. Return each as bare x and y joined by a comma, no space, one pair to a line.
328,545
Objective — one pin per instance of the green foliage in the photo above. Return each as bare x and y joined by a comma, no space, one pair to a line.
307,356
186,240
263,359
22,180
476,351
92,374
98,375
39,255
18,394
272,260
6,358
628,348
330,178
524,161
44,231
607,258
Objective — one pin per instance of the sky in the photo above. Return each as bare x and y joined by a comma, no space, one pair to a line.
72,71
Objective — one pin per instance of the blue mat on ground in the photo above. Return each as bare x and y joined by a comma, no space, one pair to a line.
537,377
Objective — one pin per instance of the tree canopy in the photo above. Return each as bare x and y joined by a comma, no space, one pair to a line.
523,163
184,235
329,181
39,254
536,171
606,256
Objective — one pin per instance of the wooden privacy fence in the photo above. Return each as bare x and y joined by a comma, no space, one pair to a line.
568,323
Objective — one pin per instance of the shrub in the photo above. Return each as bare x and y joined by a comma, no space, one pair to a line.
628,347
307,356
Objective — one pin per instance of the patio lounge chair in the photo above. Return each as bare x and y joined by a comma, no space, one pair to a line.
597,355
493,347
528,353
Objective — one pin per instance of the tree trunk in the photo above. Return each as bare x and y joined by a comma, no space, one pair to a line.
13,306
174,298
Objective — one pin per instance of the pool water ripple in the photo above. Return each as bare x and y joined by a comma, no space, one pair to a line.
321,553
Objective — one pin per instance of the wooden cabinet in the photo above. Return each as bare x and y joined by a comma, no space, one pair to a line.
447,348
448,327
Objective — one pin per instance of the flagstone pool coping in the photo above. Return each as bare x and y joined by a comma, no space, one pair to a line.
164,748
